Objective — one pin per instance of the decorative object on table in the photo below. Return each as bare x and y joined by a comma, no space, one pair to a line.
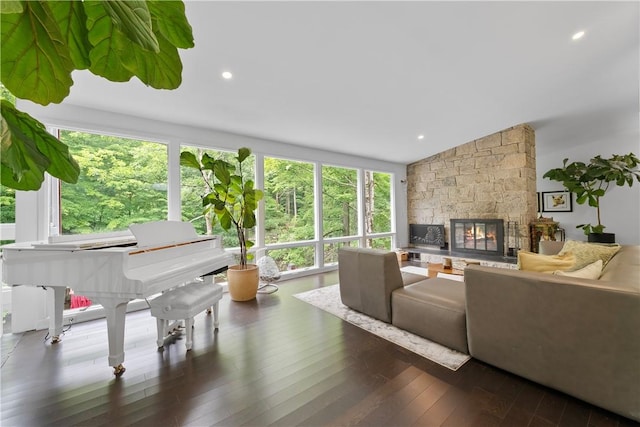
269,273
557,201
234,200
402,255
542,229
590,182
512,238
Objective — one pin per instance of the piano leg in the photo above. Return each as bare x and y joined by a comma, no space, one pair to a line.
55,302
116,310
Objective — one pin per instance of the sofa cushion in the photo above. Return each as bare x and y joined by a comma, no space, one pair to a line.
623,270
591,271
587,253
410,278
433,309
530,261
367,278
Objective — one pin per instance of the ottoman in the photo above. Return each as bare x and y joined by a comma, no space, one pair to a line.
434,309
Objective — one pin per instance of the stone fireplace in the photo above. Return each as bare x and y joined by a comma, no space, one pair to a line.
493,177
478,236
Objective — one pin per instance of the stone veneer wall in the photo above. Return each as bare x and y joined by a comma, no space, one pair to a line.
491,177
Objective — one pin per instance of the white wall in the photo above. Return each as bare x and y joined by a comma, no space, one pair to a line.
620,208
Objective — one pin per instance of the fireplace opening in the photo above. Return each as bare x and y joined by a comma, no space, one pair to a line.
427,235
481,236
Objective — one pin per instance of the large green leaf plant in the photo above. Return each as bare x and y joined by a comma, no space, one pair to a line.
231,196
43,42
590,181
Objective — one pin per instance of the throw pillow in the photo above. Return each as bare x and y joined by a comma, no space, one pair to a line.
588,253
591,271
530,261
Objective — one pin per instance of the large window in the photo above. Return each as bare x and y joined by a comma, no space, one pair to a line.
377,189
377,202
331,250
195,185
339,202
122,181
290,259
289,211
7,213
289,200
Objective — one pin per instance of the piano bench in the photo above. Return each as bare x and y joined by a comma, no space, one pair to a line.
183,303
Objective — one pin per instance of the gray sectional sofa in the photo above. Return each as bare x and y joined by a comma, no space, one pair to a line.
579,336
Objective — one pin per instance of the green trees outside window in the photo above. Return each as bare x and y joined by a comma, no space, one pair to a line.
377,202
122,181
7,205
339,202
289,203
7,209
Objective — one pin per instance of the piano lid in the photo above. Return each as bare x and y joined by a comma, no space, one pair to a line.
87,241
146,235
162,233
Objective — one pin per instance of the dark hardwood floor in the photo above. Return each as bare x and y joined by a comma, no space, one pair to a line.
274,361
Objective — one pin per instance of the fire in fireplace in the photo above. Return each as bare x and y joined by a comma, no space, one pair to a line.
484,236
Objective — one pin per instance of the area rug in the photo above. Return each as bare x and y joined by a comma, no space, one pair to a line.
415,270
328,299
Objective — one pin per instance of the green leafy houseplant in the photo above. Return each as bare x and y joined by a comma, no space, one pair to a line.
43,42
232,197
590,181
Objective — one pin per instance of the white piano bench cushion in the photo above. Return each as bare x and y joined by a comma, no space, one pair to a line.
185,301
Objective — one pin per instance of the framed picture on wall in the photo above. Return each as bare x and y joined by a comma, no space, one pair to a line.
557,201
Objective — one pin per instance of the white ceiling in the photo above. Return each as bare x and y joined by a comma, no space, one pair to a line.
366,78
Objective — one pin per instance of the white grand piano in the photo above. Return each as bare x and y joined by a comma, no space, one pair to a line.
115,268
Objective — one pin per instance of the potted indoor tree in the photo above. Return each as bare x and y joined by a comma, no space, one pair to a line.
233,199
590,182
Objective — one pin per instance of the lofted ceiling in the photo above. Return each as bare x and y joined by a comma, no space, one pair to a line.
366,78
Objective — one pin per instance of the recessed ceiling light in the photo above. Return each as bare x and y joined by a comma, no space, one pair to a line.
420,136
227,75
577,35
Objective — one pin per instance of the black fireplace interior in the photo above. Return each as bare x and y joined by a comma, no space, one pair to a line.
481,236
427,235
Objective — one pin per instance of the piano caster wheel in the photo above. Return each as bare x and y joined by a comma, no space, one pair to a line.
119,370
55,339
